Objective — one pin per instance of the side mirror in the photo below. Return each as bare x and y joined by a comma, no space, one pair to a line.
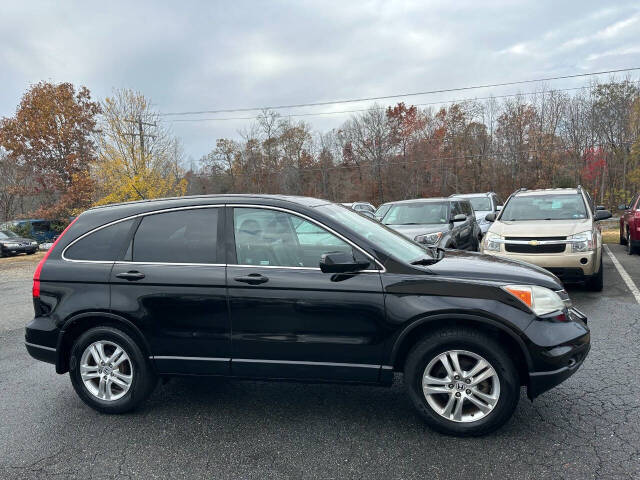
602,215
490,217
623,207
600,207
461,217
341,262
498,208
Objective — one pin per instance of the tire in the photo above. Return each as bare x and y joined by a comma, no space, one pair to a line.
31,253
630,248
466,342
596,283
142,380
623,238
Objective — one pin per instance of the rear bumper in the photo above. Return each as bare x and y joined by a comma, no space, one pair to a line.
41,339
41,352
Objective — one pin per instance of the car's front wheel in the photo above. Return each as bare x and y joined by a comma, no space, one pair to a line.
462,382
109,371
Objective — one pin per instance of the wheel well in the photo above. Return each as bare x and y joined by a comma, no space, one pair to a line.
503,338
81,325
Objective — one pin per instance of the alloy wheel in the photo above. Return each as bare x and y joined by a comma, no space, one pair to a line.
106,370
461,386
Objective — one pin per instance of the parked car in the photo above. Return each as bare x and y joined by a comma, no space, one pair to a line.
435,222
13,244
630,225
483,204
36,228
364,208
554,228
295,288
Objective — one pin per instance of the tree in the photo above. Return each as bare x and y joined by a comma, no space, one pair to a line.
50,141
138,158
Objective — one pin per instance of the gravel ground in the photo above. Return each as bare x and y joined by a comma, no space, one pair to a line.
587,428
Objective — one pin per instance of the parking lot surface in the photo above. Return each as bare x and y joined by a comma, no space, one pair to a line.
588,427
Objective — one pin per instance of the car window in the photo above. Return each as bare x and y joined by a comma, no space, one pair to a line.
41,226
418,213
480,204
102,245
181,236
634,205
274,238
466,208
4,234
545,207
455,209
382,210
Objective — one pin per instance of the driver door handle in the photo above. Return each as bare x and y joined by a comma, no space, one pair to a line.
252,279
131,275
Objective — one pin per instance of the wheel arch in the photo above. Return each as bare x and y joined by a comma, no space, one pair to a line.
78,324
422,327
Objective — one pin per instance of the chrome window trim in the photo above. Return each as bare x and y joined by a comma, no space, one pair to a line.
302,215
51,349
144,214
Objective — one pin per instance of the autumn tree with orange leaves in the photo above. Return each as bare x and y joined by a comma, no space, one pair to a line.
49,144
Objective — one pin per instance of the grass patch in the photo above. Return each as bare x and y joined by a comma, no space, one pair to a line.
611,236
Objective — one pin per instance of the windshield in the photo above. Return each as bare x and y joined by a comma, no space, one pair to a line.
417,213
544,207
388,240
4,234
480,204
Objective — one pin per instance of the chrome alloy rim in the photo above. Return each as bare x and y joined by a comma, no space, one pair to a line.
106,370
461,386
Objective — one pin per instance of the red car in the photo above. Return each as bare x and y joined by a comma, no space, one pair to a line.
630,225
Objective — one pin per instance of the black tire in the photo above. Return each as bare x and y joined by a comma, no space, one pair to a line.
144,377
596,283
623,239
479,343
31,253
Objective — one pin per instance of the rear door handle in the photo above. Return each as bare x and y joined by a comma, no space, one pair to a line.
252,279
131,276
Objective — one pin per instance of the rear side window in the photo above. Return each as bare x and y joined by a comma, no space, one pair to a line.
102,245
182,236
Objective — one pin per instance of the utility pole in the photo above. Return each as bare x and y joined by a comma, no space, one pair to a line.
141,133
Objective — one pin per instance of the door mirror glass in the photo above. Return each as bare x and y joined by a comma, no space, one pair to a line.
341,262
600,207
602,215
460,217
490,217
498,208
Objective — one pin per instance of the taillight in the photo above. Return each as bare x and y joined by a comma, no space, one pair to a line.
636,214
36,275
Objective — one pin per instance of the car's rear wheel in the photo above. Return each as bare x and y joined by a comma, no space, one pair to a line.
462,382
109,371
630,248
623,237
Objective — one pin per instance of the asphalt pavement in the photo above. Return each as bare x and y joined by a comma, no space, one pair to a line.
587,428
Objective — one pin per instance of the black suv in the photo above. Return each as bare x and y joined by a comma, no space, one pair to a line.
277,287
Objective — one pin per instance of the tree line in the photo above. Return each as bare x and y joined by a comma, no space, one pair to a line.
63,152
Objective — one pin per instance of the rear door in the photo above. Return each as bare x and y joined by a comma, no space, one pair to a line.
171,283
289,319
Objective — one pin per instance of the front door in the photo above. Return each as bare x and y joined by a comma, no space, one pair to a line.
171,284
290,320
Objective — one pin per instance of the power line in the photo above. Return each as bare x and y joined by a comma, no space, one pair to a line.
412,94
384,108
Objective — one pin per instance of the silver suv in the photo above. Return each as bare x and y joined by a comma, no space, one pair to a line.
483,204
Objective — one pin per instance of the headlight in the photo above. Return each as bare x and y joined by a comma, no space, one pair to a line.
582,242
11,245
429,238
492,242
540,300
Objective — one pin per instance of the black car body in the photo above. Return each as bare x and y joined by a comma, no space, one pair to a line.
13,244
211,285
436,222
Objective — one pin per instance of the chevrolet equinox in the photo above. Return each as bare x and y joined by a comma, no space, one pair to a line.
295,288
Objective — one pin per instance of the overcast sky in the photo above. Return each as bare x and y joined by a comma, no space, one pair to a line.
212,55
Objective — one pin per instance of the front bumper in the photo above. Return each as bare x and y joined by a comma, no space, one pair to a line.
19,249
581,265
555,363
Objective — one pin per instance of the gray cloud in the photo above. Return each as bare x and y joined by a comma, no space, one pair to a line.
212,55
